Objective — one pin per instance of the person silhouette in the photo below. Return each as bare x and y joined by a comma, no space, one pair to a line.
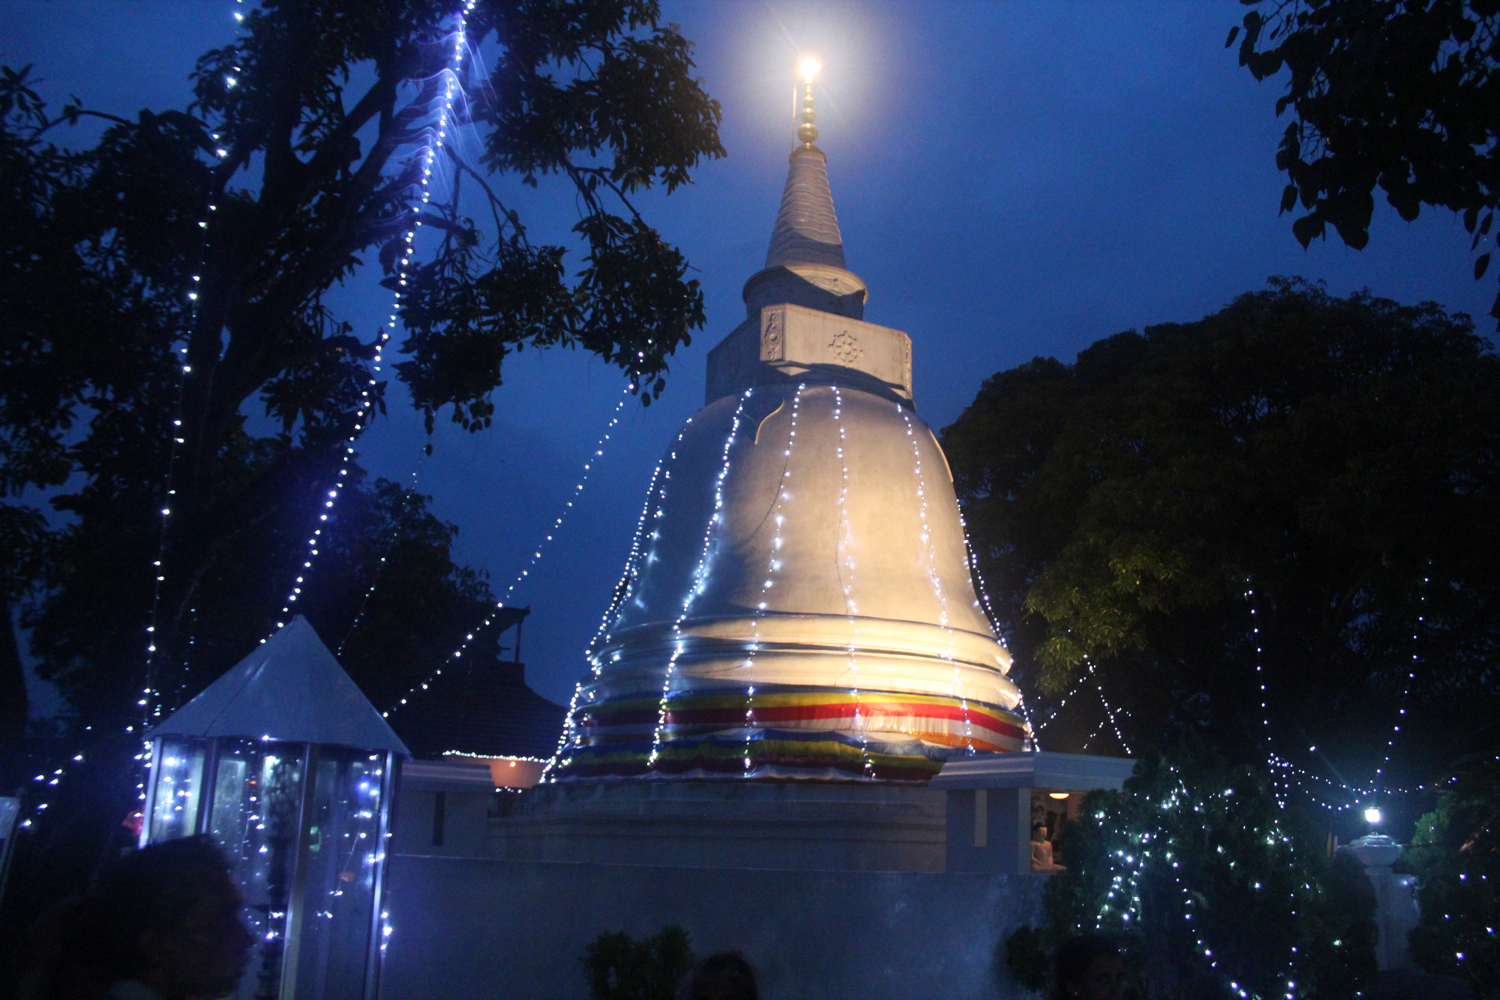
1089,967
727,975
162,923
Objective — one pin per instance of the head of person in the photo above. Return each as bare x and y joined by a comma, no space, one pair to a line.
725,976
166,916
1090,967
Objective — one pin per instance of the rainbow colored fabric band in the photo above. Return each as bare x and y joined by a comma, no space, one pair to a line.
761,754
785,732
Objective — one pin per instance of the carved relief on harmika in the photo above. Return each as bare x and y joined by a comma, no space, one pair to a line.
845,348
772,337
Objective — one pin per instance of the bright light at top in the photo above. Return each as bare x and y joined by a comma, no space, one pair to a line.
809,68
1372,815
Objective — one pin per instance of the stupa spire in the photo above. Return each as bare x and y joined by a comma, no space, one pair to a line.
807,230
805,262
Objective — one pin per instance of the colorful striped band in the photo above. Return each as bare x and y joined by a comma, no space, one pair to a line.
762,754
815,729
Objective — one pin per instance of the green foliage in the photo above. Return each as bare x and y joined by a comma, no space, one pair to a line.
307,136
1320,469
1207,882
1384,93
1456,856
24,537
1027,959
292,167
620,968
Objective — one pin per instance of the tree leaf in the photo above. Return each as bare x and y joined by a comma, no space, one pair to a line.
1481,265
1307,228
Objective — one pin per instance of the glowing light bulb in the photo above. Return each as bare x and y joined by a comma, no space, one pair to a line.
808,68
1372,815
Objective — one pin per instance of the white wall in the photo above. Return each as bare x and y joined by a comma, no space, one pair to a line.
487,928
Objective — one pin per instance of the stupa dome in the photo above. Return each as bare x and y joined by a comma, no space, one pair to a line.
798,601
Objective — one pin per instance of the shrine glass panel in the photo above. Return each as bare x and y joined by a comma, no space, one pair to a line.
255,819
342,859
178,789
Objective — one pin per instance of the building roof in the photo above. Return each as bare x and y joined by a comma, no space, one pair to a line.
1077,772
289,688
486,709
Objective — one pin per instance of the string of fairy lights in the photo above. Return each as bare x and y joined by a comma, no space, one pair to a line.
1285,774
148,702
1363,797
773,567
536,556
364,416
148,692
435,134
1122,900
846,542
1411,677
976,578
380,570
932,575
1278,783
700,579
364,601
624,589
1109,710
430,151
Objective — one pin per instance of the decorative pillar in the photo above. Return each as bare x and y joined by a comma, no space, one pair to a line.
1395,899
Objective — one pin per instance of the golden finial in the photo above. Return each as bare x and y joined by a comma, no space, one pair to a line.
807,131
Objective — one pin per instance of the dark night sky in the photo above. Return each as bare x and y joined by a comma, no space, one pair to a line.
1012,180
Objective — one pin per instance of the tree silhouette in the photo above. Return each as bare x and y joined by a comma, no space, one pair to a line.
1308,476
169,284
1383,93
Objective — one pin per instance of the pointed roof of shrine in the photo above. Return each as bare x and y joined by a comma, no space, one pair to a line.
290,688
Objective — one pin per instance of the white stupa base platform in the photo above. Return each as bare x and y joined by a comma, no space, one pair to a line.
796,825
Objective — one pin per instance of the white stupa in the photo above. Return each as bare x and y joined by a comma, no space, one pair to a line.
799,600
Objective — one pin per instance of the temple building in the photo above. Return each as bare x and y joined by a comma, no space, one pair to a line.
798,601
482,711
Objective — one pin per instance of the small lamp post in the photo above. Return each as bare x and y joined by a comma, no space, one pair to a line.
1395,895
290,769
